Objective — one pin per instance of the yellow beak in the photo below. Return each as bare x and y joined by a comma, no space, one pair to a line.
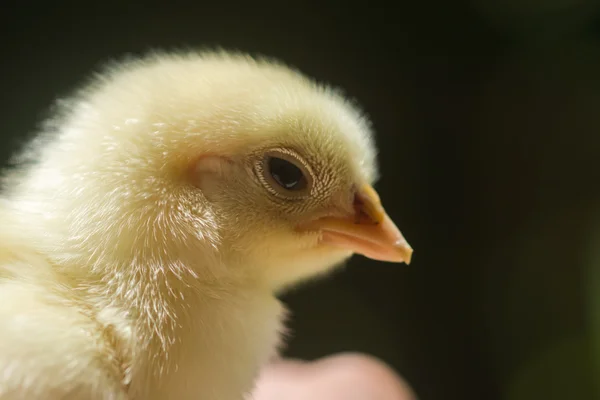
369,232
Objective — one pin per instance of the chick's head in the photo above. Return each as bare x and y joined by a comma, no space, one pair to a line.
224,160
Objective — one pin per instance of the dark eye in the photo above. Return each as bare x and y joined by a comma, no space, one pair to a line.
286,174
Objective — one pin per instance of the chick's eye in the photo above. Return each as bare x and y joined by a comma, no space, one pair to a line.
286,174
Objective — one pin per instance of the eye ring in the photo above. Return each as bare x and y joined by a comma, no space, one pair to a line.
285,174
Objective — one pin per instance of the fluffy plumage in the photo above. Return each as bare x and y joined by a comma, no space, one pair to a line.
145,232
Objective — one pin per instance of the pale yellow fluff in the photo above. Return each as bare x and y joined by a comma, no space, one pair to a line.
127,271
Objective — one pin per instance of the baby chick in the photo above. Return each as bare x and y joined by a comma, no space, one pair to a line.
147,230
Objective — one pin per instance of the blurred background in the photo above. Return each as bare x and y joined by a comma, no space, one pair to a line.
487,114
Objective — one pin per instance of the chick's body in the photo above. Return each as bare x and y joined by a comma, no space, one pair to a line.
147,229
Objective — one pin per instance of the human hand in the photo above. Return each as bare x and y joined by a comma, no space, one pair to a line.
345,376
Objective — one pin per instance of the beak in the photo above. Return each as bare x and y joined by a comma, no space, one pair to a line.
369,231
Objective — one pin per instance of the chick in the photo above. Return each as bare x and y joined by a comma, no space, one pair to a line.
148,229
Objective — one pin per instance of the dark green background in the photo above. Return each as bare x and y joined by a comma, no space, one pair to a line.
488,120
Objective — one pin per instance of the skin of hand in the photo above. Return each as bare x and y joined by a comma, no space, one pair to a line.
346,376
148,229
